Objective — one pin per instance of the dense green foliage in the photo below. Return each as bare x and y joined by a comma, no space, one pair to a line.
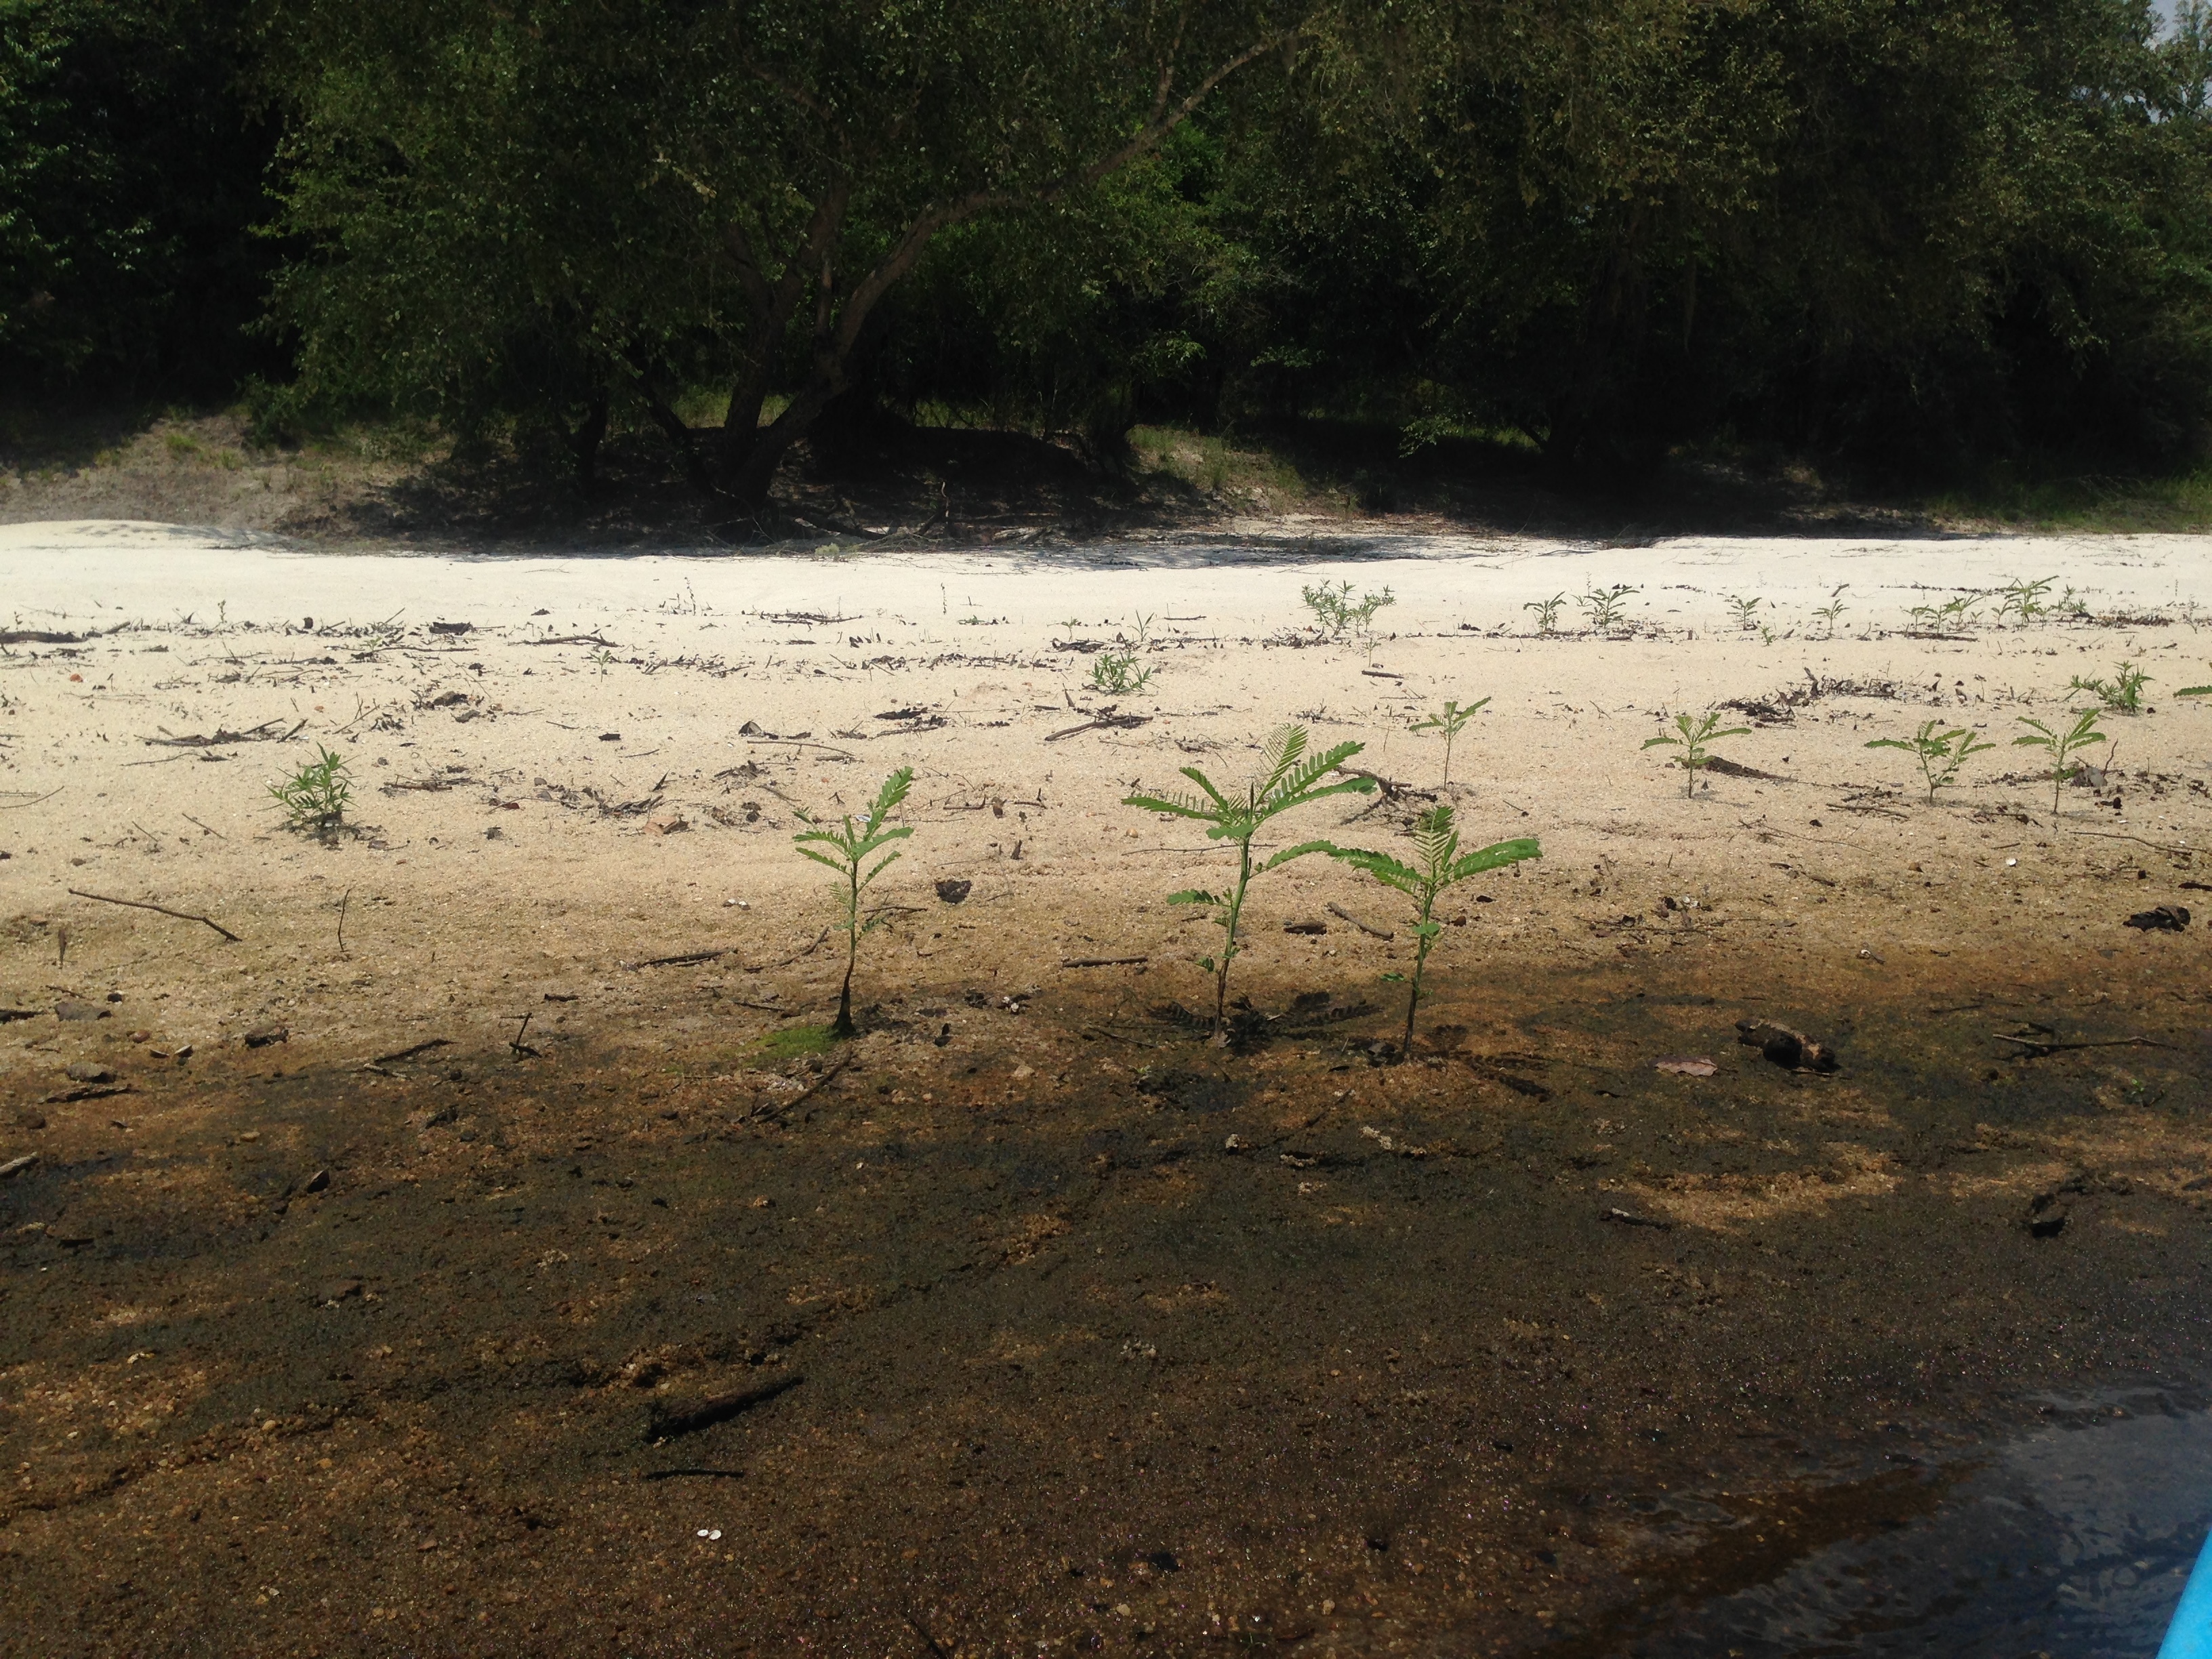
132,156
1930,233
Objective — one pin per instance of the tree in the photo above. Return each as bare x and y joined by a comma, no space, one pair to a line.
716,195
130,190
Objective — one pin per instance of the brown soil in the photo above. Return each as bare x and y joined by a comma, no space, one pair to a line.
1393,1375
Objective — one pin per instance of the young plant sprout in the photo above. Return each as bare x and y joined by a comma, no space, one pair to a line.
1602,606
1745,611
1290,779
1451,719
2061,746
1940,754
1115,671
1437,865
1833,612
1335,613
1547,612
2121,695
1691,736
849,846
2024,599
315,796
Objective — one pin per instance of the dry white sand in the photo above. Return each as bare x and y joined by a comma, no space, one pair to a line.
596,804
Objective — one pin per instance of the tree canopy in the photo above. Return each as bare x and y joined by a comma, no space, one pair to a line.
1918,232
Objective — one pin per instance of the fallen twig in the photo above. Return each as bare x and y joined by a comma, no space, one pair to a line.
163,910
681,959
1343,914
422,1047
260,734
49,795
2037,1047
574,639
820,938
2155,846
1118,722
1102,962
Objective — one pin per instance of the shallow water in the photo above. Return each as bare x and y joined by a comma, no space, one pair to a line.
2072,1542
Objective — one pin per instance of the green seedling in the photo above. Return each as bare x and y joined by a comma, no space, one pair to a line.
603,659
1745,611
2121,695
1960,612
1691,736
1451,719
1940,754
1602,606
1290,779
1833,612
2061,746
315,796
846,849
1547,612
1437,866
1335,612
1116,674
2023,599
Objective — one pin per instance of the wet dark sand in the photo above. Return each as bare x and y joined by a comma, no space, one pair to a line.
1067,1373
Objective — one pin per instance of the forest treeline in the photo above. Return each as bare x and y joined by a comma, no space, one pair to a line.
1919,234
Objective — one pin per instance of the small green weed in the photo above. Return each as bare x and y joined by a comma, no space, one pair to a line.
1547,612
2023,600
1290,779
316,796
1833,612
1116,674
1940,754
1337,614
1745,611
1437,866
1451,719
2121,695
2061,746
1691,736
1961,612
849,847
1604,606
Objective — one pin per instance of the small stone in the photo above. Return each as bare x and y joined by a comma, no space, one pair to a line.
88,1071
261,1036
338,1291
317,1183
142,1036
250,1136
952,890
115,996
29,1120
68,1009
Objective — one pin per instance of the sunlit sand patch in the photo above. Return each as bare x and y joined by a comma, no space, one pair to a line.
1722,1202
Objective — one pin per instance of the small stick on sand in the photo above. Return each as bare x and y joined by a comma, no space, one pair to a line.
162,910
1102,962
1343,914
681,959
344,899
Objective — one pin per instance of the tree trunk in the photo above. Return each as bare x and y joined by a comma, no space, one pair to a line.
584,442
